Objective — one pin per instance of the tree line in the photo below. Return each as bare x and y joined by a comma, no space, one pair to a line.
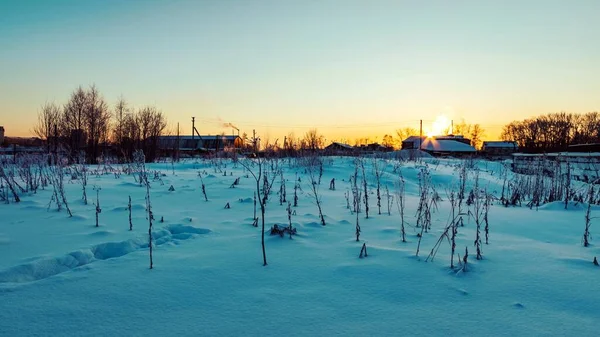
553,131
86,126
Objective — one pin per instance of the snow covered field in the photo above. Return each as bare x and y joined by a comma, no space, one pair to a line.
64,276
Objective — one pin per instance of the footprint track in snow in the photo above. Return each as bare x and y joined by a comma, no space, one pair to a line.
46,267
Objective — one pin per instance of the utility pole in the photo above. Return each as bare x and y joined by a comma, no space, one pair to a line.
178,144
420,133
254,140
193,126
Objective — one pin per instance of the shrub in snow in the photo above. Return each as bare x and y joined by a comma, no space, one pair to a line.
203,187
488,202
427,203
296,187
98,209
140,160
129,208
255,221
363,251
314,186
378,171
57,175
361,162
357,231
289,214
235,183
259,169
347,196
478,211
449,232
281,230
596,261
401,204
587,237
389,199
81,172
356,193
282,192
30,169
464,260
7,176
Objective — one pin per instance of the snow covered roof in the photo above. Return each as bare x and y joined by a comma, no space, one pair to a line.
499,144
349,147
447,137
445,145
413,139
229,137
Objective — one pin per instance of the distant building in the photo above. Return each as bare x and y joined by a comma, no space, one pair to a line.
336,148
594,147
440,145
197,144
1,135
499,148
376,147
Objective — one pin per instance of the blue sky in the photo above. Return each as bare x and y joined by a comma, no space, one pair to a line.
349,68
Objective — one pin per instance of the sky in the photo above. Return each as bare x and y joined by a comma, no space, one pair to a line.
350,69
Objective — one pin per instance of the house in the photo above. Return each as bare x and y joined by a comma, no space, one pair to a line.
412,142
336,148
440,146
196,144
499,148
376,147
594,147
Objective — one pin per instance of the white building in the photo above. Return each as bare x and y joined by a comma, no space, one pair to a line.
440,145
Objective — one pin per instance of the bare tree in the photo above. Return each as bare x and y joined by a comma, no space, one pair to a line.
404,133
477,133
120,115
47,124
313,141
73,121
151,123
96,122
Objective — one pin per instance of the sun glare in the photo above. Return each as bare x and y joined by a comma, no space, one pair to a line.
440,126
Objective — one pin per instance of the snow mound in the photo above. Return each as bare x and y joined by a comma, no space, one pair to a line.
47,267
560,206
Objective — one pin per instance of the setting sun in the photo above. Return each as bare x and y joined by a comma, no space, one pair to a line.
441,126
